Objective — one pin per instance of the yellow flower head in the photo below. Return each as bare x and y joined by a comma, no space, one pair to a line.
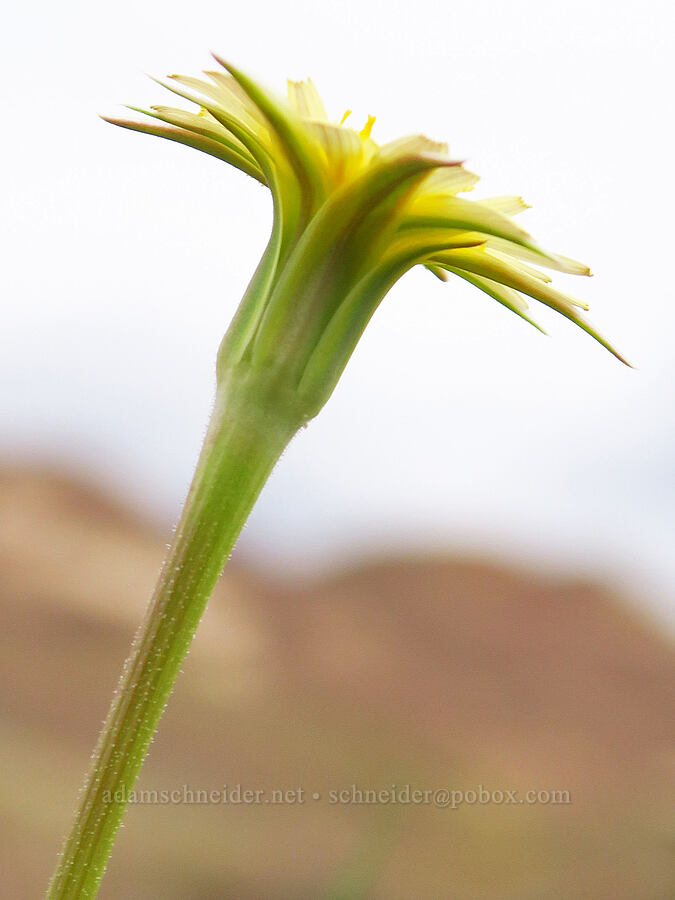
350,218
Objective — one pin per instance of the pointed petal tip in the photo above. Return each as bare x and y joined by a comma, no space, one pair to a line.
439,272
615,353
222,62
157,80
586,326
112,119
122,123
572,267
561,263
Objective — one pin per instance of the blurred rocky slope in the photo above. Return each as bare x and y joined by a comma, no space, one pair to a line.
431,673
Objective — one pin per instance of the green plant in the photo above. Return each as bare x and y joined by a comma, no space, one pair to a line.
350,218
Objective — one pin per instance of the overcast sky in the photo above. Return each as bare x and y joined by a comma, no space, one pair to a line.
456,424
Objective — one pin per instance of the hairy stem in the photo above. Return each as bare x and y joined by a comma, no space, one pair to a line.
250,427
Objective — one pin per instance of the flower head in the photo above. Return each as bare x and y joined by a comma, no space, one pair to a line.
350,218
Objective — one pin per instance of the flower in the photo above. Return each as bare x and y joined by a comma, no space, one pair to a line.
350,218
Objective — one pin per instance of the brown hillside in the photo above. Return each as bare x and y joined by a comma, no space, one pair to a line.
427,673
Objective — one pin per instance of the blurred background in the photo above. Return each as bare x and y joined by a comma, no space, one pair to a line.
461,574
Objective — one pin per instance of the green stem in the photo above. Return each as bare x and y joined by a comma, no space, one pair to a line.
250,427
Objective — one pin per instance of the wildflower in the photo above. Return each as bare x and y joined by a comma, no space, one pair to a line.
350,218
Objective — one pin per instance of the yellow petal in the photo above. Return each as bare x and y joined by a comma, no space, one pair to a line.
508,257
508,206
540,257
480,262
306,100
450,181
456,213
414,143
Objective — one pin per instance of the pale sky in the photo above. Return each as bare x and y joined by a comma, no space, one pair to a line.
455,424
